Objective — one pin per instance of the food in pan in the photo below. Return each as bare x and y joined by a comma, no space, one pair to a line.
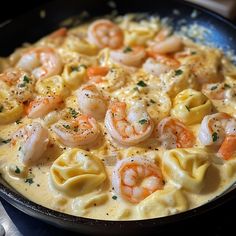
118,120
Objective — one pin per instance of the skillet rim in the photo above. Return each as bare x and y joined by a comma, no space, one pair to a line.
20,202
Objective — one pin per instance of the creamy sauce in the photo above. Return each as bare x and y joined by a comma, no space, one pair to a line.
76,178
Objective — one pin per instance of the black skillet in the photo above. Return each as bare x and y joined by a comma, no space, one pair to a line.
32,26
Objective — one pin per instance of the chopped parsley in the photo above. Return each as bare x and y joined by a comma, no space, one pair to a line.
143,121
142,84
152,101
66,126
127,49
178,72
26,80
214,87
73,112
114,197
193,53
227,86
187,108
6,141
17,170
29,181
135,88
214,137
77,68
1,108
19,148
18,122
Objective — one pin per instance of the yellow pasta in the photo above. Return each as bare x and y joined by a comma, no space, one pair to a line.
190,106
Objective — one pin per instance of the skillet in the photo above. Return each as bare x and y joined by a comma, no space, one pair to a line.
34,27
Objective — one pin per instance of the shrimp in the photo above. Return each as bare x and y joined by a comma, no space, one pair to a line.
128,127
104,33
91,101
219,91
34,139
174,134
219,130
161,64
136,178
95,73
80,131
22,85
41,106
169,45
129,56
42,62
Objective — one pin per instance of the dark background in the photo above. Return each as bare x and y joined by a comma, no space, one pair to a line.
217,222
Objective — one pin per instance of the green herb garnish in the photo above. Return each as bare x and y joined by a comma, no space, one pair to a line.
29,181
26,80
214,87
6,141
66,126
143,121
135,89
193,53
73,112
227,86
214,137
114,197
178,72
187,108
18,122
17,170
1,108
142,84
127,49
152,101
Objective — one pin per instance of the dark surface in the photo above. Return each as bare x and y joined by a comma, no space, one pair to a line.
218,221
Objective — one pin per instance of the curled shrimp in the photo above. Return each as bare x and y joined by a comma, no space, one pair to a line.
80,131
128,127
174,134
129,56
219,130
42,62
169,45
136,178
161,64
34,140
41,106
91,101
21,84
104,33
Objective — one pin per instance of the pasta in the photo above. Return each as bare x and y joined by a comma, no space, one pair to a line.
121,119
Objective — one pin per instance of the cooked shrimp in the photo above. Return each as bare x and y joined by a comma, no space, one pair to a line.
162,34
91,101
22,85
174,134
42,62
219,129
104,33
95,73
169,45
136,178
41,106
34,140
81,131
161,64
128,127
219,91
129,56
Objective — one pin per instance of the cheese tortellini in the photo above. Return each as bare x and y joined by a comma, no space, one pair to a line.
77,172
163,202
186,167
190,106
10,109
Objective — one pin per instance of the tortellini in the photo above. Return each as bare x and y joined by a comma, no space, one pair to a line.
52,86
74,74
163,202
176,81
186,167
10,109
190,106
77,172
80,45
